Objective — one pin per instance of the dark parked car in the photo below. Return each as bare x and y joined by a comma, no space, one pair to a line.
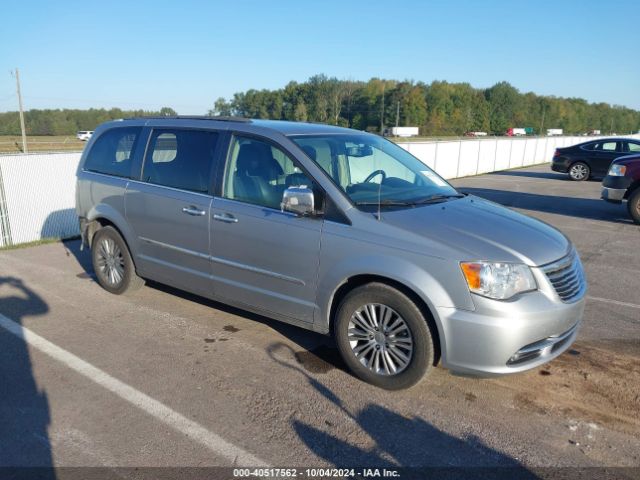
592,158
623,182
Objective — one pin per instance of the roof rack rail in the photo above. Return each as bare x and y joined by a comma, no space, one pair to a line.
193,117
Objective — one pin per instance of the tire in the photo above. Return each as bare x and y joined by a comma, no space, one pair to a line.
112,262
579,172
411,339
633,205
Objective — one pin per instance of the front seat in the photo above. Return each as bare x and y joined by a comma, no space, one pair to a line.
298,178
255,169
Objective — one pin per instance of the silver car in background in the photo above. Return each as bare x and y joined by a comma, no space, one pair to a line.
333,230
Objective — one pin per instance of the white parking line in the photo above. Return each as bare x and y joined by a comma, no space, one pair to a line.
614,302
215,443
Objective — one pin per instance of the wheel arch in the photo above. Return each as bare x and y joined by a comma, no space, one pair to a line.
102,217
635,185
359,280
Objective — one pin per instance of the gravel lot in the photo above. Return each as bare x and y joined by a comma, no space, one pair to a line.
164,378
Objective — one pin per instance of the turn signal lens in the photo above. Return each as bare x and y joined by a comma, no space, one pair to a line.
472,274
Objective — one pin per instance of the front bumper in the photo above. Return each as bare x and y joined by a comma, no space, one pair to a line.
613,195
485,342
614,188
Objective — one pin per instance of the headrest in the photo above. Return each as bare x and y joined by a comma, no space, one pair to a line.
255,159
310,151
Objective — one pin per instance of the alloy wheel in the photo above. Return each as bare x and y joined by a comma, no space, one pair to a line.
579,172
110,262
380,339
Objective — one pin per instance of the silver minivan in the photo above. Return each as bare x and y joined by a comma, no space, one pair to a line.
333,230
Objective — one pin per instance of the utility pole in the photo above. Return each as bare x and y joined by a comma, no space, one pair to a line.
544,110
24,133
398,114
382,111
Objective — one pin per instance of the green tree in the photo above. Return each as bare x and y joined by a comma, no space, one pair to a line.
504,102
168,112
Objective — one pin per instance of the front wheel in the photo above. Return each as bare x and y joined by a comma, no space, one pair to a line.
579,171
112,262
633,205
383,337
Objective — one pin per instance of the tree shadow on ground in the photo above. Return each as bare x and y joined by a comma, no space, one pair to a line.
24,408
530,174
587,208
415,446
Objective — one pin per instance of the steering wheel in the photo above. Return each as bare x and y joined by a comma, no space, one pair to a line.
373,174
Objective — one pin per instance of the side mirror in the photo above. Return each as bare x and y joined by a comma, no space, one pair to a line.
298,200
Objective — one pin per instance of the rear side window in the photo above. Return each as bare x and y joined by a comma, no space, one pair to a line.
180,159
633,147
112,153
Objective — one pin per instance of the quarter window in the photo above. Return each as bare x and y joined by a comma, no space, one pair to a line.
258,173
633,147
112,153
180,159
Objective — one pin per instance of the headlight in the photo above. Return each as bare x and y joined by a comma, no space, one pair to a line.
500,281
617,170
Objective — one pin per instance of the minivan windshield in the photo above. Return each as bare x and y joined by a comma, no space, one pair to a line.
374,171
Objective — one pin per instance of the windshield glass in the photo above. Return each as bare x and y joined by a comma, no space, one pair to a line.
371,169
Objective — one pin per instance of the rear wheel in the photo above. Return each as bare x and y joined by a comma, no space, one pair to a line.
112,262
633,205
383,337
579,171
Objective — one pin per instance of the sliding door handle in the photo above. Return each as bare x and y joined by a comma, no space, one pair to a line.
195,211
225,218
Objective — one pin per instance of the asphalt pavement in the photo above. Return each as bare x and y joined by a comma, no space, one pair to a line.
164,378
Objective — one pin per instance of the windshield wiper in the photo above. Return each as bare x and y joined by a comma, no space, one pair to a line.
385,203
407,203
436,198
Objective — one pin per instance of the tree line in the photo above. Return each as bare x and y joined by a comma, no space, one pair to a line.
438,108
67,121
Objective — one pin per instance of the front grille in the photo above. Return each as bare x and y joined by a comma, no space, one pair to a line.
567,277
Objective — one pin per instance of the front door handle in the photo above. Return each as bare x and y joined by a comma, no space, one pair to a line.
195,211
225,218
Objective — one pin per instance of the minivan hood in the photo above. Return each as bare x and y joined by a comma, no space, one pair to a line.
483,230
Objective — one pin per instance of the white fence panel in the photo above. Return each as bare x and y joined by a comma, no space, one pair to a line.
426,152
447,156
39,191
469,151
529,151
503,154
517,152
487,155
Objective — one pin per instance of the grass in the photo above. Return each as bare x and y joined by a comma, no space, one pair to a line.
35,243
41,143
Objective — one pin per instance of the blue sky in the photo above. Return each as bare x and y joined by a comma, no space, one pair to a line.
185,54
